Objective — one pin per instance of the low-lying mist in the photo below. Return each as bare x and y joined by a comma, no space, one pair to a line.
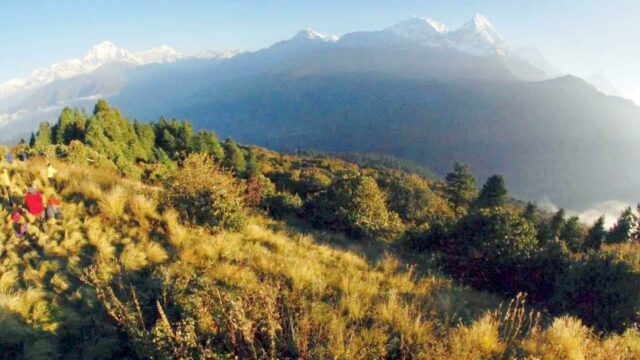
611,210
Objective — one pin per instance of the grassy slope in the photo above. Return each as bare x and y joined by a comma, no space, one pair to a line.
120,277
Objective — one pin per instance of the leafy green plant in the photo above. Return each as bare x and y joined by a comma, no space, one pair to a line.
204,194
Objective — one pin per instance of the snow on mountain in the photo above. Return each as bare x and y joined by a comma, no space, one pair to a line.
213,54
104,53
420,30
98,56
310,35
158,55
304,40
479,37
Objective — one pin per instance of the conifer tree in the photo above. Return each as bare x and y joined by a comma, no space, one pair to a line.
572,235
253,167
530,211
550,230
493,193
234,157
621,231
42,138
596,235
71,126
207,142
32,140
557,222
460,188
102,106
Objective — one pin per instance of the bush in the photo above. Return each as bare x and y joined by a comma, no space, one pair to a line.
489,247
312,181
355,204
602,291
411,197
80,154
128,169
206,195
282,204
258,189
426,236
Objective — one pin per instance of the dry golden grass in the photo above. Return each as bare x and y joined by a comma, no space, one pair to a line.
113,202
267,291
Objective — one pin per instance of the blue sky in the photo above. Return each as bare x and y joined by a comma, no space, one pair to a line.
580,37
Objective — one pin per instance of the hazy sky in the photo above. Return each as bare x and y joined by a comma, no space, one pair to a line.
579,37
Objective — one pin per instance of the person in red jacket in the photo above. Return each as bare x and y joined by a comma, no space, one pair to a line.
35,204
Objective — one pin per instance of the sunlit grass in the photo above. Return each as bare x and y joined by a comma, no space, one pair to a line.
266,291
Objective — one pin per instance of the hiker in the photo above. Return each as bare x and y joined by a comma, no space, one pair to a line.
16,216
23,156
53,209
51,174
5,182
9,157
35,206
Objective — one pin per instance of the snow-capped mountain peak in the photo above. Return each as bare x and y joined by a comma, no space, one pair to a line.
213,54
160,54
478,36
308,34
104,53
417,26
99,55
420,30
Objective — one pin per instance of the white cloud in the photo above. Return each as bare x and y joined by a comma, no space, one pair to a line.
611,210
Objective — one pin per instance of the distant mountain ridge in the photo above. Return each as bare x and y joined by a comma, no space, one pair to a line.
415,90
100,55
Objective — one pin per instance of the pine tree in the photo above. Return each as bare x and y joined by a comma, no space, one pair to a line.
42,138
530,211
168,142
71,126
102,106
253,167
207,142
460,188
493,193
234,157
596,235
184,136
32,140
146,138
572,235
550,230
621,231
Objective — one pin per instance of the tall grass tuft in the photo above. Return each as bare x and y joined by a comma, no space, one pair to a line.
113,202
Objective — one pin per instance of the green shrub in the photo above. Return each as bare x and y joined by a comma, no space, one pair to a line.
128,169
411,197
427,236
602,291
312,181
489,246
282,204
80,154
355,204
204,194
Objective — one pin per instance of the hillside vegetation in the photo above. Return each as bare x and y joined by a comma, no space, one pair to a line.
176,245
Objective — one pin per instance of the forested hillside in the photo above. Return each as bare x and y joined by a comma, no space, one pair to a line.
174,244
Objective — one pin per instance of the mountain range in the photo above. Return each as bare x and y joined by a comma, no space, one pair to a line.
414,90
